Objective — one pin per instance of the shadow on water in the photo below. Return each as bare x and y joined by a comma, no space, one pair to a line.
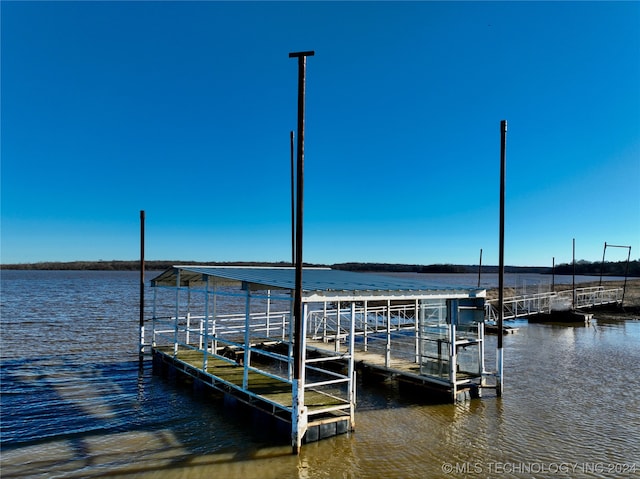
60,417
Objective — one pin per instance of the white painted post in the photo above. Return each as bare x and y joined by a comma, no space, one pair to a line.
337,342
205,325
452,311
299,410
387,356
284,327
366,323
352,373
324,322
141,343
298,414
290,341
175,332
453,361
303,352
481,349
247,324
416,318
188,326
214,341
153,319
268,310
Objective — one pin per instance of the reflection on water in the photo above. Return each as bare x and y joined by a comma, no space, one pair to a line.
75,405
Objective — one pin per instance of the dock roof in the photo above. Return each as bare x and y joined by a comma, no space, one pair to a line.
317,283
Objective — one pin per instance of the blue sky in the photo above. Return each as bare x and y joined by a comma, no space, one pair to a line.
184,110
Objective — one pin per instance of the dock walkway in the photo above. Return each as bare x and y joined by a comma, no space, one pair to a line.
523,306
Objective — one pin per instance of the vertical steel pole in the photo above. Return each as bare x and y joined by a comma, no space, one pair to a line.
141,352
351,368
175,334
500,353
604,251
293,205
553,274
573,277
247,340
626,274
297,305
480,267
205,339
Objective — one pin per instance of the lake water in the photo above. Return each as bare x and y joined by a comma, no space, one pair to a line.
74,402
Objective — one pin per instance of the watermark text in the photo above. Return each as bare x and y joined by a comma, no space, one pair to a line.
550,468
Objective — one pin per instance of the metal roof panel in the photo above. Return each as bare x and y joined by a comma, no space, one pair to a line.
313,279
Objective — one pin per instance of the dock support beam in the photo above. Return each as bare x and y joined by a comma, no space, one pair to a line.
175,332
387,353
351,368
452,314
299,410
205,334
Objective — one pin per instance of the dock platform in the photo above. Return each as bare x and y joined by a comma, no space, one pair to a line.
433,378
231,329
271,396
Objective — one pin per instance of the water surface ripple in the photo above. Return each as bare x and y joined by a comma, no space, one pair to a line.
76,404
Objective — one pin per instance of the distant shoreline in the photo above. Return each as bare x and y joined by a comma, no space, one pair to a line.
582,267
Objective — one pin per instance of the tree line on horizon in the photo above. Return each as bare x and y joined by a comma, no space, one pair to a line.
582,267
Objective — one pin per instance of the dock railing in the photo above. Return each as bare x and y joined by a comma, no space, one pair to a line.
265,348
377,329
387,332
540,303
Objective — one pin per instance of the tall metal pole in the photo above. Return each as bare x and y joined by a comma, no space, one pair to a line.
626,274
573,280
553,274
293,205
141,352
500,354
604,251
480,267
298,340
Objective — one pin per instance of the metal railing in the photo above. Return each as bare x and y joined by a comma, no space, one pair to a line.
527,305
228,334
